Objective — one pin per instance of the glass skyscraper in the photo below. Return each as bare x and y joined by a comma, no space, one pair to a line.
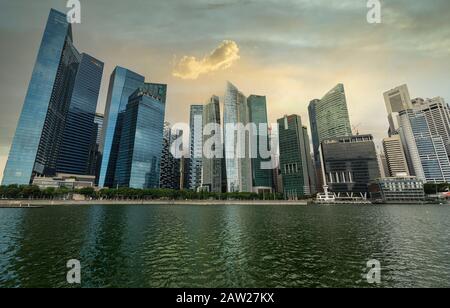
122,84
295,158
426,152
55,92
212,167
238,170
141,142
329,117
262,178
196,146
76,144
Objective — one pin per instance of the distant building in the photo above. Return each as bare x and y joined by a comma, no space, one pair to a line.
427,153
262,178
212,166
196,147
170,165
122,84
350,164
401,190
397,99
395,156
140,149
54,129
295,158
95,157
60,180
382,162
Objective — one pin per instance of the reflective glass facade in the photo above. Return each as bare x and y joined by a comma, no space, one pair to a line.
57,83
196,146
76,145
122,84
238,170
257,106
140,150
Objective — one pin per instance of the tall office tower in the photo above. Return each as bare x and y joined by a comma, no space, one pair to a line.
438,117
350,164
238,167
55,91
295,158
426,152
170,165
330,116
262,177
95,155
196,147
77,138
395,156
122,84
397,99
314,130
212,166
141,142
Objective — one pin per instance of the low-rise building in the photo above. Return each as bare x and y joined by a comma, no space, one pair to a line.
61,180
404,189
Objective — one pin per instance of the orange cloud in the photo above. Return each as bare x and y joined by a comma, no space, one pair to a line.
221,58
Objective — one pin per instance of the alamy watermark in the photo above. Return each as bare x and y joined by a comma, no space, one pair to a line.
74,13
234,141
374,274
374,13
74,273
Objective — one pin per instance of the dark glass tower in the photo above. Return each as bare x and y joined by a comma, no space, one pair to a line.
141,143
77,138
122,84
56,84
262,178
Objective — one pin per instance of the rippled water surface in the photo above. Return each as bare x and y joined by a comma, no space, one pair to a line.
225,246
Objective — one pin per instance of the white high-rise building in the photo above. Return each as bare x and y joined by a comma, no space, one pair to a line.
426,152
395,156
238,170
438,117
196,147
397,99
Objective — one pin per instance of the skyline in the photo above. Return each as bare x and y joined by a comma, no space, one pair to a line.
266,64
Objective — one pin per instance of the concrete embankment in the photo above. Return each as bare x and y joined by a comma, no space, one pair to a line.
38,203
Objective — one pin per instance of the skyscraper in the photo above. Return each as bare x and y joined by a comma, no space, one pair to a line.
122,84
427,153
54,94
295,158
95,155
395,156
238,167
212,167
437,113
196,146
262,178
76,144
350,164
170,165
329,117
141,142
397,99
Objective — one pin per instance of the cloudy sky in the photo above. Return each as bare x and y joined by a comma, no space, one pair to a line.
292,51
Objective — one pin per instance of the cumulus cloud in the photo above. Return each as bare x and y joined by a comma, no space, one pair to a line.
221,58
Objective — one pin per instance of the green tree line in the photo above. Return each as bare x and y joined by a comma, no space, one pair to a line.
34,192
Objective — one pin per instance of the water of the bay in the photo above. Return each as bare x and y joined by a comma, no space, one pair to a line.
226,246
